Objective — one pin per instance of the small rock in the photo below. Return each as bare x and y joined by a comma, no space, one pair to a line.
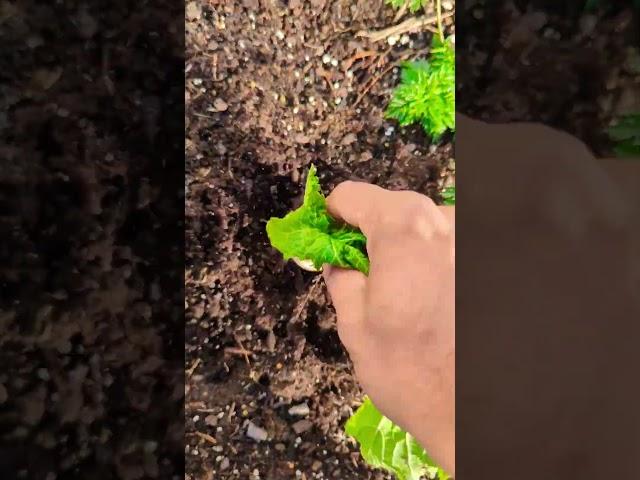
349,139
280,447
316,465
193,11
211,420
256,433
302,138
447,5
271,337
220,105
302,426
224,464
392,40
301,410
326,58
280,35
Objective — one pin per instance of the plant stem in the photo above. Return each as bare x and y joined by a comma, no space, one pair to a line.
439,19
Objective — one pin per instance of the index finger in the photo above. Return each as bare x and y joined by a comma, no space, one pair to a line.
356,203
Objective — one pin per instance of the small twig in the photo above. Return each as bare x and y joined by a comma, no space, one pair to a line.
401,11
193,367
241,350
238,351
348,63
375,80
305,300
205,436
409,25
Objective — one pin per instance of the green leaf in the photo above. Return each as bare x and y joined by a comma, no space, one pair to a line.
449,196
414,5
626,134
385,445
310,233
426,94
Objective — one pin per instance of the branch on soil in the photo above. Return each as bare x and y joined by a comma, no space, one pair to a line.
410,25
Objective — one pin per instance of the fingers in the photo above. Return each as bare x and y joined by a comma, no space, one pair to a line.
357,204
347,291
368,207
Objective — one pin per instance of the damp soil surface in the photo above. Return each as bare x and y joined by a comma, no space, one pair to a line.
273,87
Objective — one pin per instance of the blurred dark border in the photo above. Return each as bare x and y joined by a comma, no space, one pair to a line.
91,240
548,240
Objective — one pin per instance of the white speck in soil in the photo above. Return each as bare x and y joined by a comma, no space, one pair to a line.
392,40
280,35
334,62
326,58
256,433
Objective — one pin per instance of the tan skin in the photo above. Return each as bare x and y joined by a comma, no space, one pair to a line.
398,324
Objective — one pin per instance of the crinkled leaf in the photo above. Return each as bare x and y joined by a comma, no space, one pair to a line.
310,233
385,445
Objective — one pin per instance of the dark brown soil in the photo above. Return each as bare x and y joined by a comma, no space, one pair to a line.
263,104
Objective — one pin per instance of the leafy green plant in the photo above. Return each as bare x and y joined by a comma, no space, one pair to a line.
448,196
626,134
426,93
414,5
385,445
310,233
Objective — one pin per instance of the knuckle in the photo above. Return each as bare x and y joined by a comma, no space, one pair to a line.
416,212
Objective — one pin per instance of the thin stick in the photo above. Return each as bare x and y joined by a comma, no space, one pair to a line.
409,25
193,367
376,79
245,351
368,87
305,300
439,18
205,436
401,11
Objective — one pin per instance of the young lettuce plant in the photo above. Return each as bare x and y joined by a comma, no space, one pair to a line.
310,234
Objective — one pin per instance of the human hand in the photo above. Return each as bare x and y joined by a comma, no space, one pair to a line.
398,324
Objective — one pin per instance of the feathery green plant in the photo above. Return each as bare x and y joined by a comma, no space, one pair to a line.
414,5
448,195
626,135
426,93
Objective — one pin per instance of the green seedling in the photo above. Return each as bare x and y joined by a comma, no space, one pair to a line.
426,94
313,237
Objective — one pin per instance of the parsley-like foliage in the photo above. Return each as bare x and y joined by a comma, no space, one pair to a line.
626,134
426,94
414,5
310,233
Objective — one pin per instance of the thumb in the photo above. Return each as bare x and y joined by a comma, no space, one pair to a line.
347,292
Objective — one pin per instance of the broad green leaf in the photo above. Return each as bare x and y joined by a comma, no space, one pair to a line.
385,445
310,233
